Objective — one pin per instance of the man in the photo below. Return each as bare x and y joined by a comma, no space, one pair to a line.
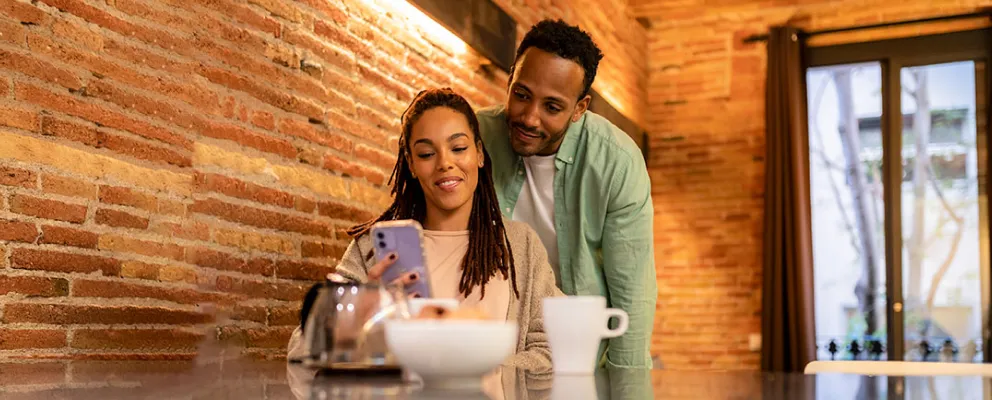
578,180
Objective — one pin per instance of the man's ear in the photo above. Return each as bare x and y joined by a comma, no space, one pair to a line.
581,107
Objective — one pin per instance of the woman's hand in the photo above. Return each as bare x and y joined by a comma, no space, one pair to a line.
375,273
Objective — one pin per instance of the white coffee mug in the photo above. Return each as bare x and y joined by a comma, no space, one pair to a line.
575,326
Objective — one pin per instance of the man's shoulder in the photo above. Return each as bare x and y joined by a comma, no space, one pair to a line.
491,115
609,143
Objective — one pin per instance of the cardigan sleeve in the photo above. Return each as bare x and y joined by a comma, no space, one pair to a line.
536,356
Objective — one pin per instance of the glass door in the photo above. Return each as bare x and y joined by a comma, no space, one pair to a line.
898,183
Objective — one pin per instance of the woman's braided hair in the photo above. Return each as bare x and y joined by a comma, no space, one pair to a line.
489,250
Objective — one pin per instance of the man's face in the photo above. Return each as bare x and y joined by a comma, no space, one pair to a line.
543,101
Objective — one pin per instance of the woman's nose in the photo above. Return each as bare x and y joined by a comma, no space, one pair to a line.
444,161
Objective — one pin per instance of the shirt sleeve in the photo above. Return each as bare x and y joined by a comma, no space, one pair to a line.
628,263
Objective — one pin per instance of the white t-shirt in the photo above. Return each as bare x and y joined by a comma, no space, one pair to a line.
536,204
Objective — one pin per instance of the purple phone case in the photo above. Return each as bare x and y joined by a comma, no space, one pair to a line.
405,238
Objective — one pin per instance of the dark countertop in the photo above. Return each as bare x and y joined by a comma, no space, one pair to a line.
248,379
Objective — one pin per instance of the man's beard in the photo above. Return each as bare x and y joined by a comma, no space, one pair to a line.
550,139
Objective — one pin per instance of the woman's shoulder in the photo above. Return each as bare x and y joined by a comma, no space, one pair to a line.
518,232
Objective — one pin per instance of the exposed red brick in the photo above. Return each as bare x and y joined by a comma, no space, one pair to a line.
282,316
76,132
257,337
261,218
305,204
25,13
140,270
78,32
68,237
354,169
103,18
249,313
57,261
146,151
120,219
50,209
18,231
378,157
143,247
188,230
263,119
34,286
117,288
10,176
323,250
93,314
302,270
96,113
240,189
227,262
66,186
12,339
264,93
26,63
42,373
249,138
330,56
12,32
316,133
136,339
19,117
170,207
339,35
341,211
262,290
128,197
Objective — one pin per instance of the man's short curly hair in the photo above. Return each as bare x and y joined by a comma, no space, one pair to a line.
566,41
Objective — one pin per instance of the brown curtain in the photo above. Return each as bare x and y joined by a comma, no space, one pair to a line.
788,342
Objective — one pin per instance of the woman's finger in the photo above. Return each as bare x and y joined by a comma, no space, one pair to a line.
380,267
407,280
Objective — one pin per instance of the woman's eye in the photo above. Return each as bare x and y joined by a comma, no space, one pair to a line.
424,155
520,96
460,149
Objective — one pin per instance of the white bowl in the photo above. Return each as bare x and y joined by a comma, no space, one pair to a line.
451,354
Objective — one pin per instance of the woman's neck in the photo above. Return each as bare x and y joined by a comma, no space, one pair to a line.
454,220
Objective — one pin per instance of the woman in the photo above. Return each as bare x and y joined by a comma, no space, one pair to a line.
443,180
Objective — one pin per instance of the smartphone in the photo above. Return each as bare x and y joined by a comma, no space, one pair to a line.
406,239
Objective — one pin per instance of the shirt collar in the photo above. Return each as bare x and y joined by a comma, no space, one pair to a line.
570,144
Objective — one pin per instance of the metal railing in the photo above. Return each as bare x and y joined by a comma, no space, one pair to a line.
931,348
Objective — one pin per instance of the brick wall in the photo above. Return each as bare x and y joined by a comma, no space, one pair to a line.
173,171
706,119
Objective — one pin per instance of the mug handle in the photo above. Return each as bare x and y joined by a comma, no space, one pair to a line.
621,317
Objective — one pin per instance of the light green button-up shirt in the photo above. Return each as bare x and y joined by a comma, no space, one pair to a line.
604,221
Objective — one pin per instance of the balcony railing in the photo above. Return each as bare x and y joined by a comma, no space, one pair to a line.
943,349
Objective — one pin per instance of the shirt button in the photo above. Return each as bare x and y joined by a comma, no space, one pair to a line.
508,209
570,159
520,172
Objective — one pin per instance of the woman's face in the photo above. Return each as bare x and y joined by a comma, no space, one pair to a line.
445,159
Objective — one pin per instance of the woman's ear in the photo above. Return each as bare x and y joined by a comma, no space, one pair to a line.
482,153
